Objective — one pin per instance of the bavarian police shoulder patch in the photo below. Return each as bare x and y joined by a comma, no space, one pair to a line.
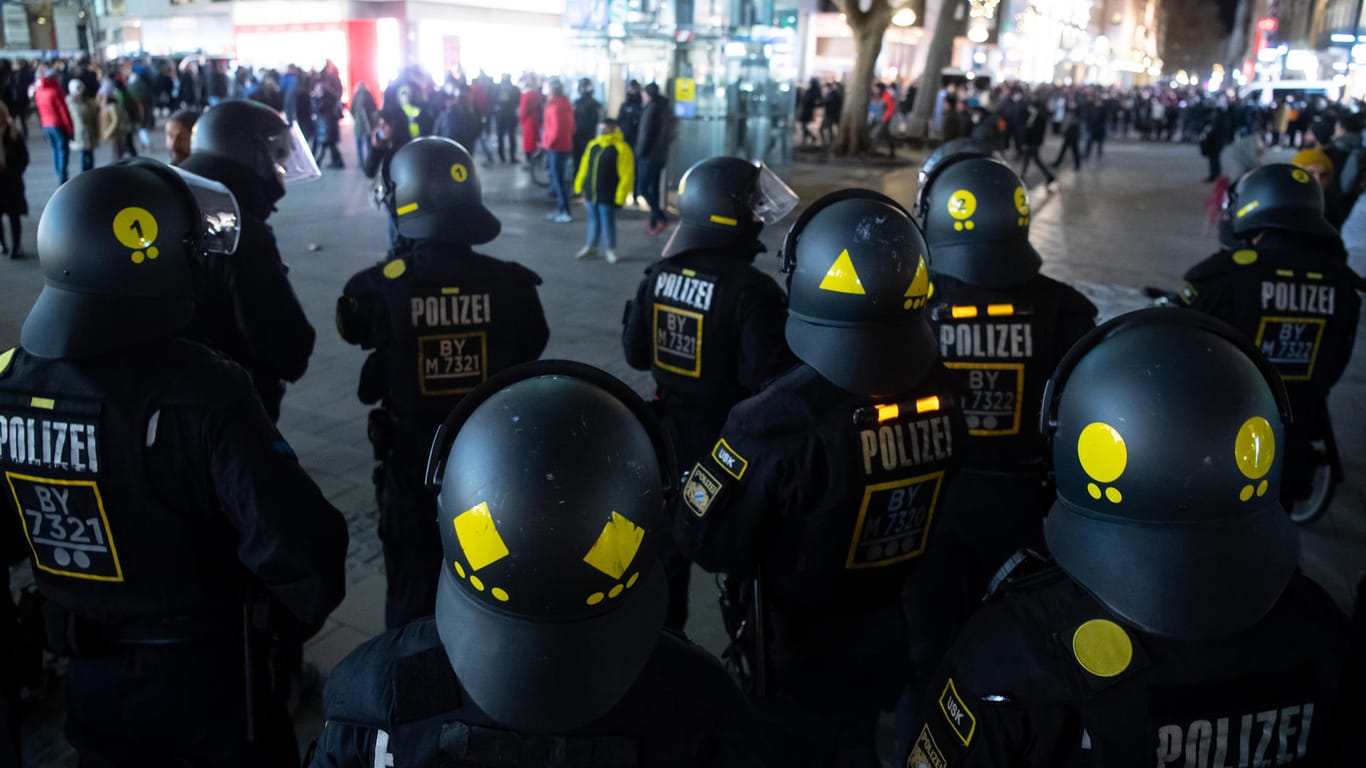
956,712
701,490
925,753
729,459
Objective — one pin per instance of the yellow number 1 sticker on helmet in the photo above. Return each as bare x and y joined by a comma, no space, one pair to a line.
136,228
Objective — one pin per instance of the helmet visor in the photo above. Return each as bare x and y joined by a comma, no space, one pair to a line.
219,219
773,199
293,161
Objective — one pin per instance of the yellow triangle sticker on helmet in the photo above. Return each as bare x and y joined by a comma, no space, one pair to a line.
918,292
841,277
6,358
616,546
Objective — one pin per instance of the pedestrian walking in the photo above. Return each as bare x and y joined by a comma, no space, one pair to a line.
831,107
558,141
55,119
85,123
529,112
114,123
1071,138
13,203
1035,129
806,111
363,111
652,151
506,98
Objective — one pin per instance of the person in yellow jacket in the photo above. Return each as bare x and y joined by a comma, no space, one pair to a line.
606,176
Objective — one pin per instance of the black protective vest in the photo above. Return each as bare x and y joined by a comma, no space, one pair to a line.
1001,347
693,308
114,536
449,322
1297,305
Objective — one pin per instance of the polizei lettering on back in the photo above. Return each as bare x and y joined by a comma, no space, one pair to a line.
1266,739
986,340
446,311
899,445
49,443
1298,297
689,291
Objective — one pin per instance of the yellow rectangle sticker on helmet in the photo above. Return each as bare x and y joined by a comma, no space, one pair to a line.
404,210
726,220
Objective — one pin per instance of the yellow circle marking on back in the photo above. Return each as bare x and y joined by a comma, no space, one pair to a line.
395,268
1102,648
1245,257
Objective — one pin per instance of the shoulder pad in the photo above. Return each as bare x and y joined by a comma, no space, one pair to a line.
368,686
1046,642
1220,263
1024,569
364,281
202,377
783,405
6,361
523,272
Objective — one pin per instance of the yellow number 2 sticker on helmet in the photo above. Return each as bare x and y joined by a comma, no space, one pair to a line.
136,229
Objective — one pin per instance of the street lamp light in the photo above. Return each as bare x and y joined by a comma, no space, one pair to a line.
904,17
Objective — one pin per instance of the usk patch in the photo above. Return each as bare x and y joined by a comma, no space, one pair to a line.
956,712
701,490
729,459
925,753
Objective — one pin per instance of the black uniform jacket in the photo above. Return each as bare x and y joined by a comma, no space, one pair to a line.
1297,300
148,481
396,701
1045,676
833,497
441,319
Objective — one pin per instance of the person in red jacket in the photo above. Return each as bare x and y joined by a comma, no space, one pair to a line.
55,118
529,114
558,139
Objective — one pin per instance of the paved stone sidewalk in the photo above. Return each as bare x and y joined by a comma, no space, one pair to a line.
1134,219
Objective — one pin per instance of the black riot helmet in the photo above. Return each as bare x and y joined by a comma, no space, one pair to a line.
725,202
553,480
254,136
116,246
1278,196
941,158
436,194
1168,439
857,287
977,225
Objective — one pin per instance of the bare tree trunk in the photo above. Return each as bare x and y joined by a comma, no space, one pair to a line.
1238,40
941,50
868,27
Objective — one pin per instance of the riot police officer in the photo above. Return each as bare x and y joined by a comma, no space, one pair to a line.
1001,329
824,487
1175,624
1288,288
440,318
546,647
153,489
705,322
245,305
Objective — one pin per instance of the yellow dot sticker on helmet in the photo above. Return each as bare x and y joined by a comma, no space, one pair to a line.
962,204
1299,175
478,536
1245,257
841,277
1255,448
499,594
459,172
616,546
136,228
1102,648
395,269
1102,452
1022,201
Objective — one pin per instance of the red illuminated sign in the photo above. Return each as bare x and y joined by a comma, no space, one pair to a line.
1267,24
